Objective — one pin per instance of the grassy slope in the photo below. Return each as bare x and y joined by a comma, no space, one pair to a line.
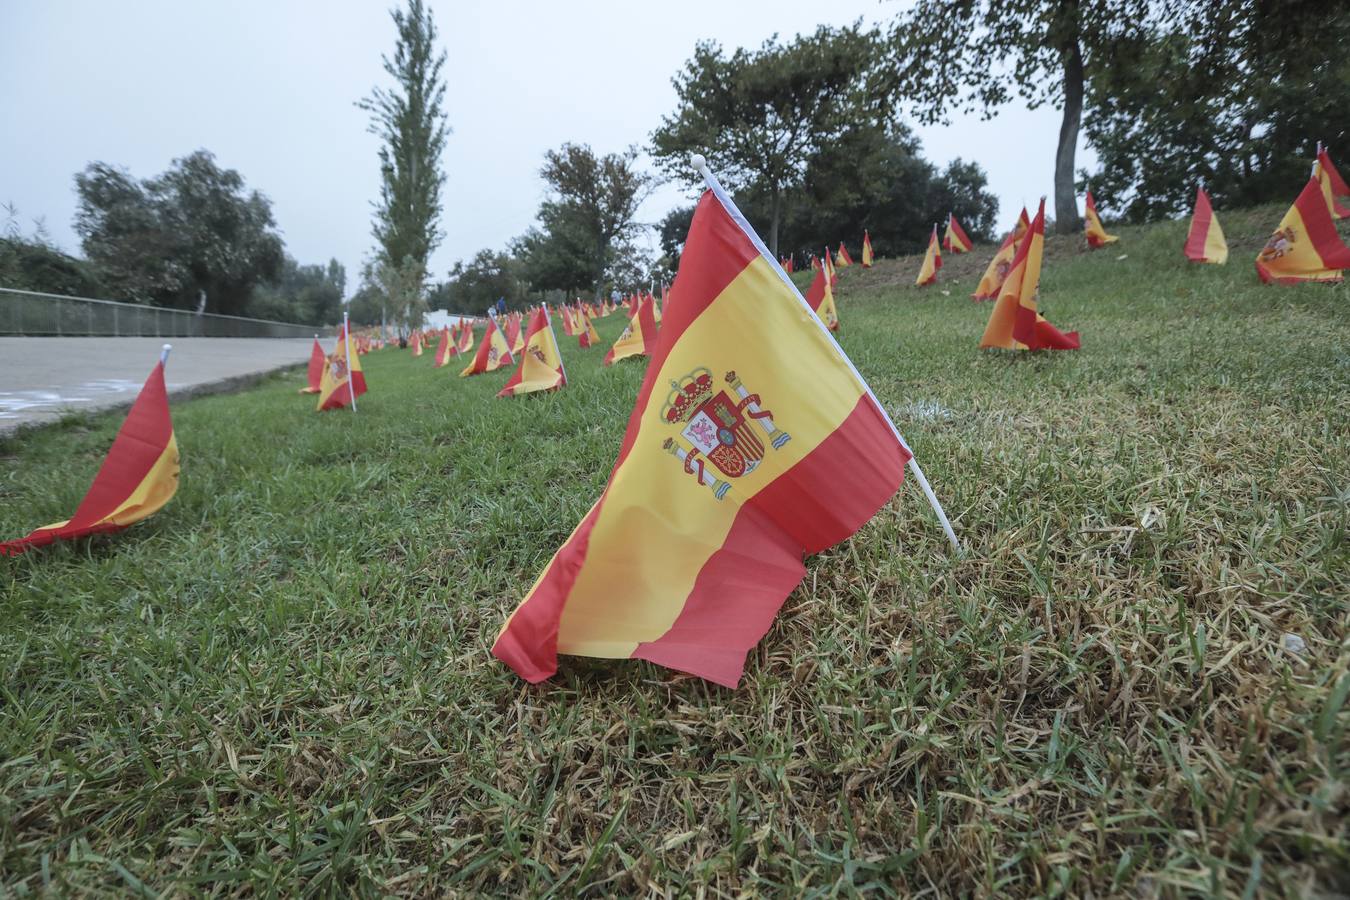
283,678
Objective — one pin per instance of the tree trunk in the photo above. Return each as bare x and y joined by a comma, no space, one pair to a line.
773,222
1066,200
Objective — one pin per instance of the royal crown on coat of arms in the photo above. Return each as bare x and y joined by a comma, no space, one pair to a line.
725,426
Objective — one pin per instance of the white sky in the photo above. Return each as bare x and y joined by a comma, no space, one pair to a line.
269,86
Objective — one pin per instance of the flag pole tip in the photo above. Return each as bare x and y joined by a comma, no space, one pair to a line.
699,162
164,353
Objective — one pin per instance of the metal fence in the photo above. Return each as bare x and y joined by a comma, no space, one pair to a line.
30,313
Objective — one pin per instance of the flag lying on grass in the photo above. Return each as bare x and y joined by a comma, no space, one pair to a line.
955,239
1092,225
753,441
1015,323
541,366
1205,242
1306,246
820,297
493,353
842,258
343,381
1332,184
867,250
138,476
932,261
638,338
997,270
315,373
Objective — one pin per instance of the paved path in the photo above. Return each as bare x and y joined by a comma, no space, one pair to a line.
42,378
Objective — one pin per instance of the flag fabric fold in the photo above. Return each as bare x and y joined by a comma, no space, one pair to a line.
314,375
1092,225
541,366
998,267
1334,188
932,262
587,336
753,441
1016,323
138,476
955,239
1205,242
1305,246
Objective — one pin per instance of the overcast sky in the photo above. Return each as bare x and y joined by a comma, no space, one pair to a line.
269,87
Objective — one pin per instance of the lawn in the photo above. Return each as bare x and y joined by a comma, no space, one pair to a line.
1133,681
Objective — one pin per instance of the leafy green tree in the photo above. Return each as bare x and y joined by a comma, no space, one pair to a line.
29,262
980,53
410,121
1234,93
310,295
759,116
473,286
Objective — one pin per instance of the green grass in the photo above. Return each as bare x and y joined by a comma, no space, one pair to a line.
281,683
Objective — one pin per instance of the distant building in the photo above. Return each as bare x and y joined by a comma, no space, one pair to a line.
441,318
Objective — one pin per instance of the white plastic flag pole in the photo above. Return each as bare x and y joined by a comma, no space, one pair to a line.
164,354
347,336
701,166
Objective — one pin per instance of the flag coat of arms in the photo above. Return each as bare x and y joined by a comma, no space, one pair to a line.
1015,323
541,366
493,353
138,476
1306,246
1334,188
998,267
955,239
638,338
820,297
343,380
932,262
753,441
1092,225
1205,242
867,258
314,375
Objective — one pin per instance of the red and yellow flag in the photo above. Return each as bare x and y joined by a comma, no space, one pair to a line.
315,373
465,336
1332,184
587,336
638,338
753,441
1092,225
493,352
541,366
955,239
867,258
565,313
820,297
1204,242
842,258
998,267
932,262
138,476
1306,246
445,349
343,381
416,342
1015,323
828,265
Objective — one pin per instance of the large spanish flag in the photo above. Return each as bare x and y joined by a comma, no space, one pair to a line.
1333,185
1306,246
867,250
343,381
820,297
541,366
955,239
1092,225
1015,323
1205,242
638,338
932,261
315,373
753,441
493,352
138,476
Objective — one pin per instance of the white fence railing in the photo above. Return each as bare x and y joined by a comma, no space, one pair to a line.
31,313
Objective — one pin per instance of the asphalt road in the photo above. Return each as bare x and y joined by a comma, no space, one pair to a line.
43,378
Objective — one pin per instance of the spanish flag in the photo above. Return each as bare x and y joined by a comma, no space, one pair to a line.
1204,242
315,373
565,313
932,261
955,239
493,352
465,336
753,441
638,338
541,366
998,267
416,342
820,297
587,336
867,250
343,381
138,476
1332,184
828,265
1092,226
1306,246
1015,324
842,258
444,350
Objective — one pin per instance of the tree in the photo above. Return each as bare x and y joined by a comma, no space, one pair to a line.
193,230
410,121
978,53
759,116
474,286
1234,93
31,263
310,295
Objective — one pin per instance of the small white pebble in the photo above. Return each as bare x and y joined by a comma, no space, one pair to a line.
1123,256
1294,644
